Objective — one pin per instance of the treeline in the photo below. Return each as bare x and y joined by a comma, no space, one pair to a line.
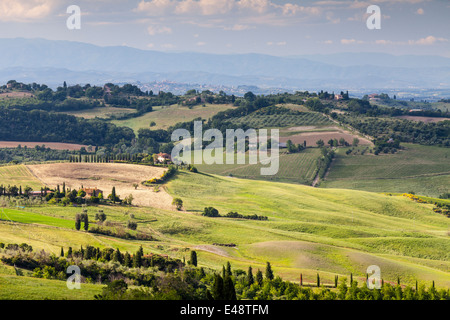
214,213
38,153
402,130
43,126
323,163
157,280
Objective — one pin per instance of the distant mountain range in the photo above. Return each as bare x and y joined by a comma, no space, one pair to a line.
52,62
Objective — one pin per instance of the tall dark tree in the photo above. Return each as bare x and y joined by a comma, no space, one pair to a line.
229,292
269,272
217,289
194,258
259,277
250,279
78,221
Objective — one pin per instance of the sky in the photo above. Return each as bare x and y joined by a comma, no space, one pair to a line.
275,27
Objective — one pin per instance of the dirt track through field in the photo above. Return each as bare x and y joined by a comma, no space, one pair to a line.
105,176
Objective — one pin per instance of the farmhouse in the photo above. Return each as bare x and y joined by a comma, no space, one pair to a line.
92,192
38,193
163,158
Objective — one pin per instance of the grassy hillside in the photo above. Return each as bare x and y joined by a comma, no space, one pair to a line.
341,231
166,116
422,169
18,175
309,230
295,168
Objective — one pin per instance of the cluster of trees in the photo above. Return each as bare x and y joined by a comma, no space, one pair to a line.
214,213
170,172
38,125
294,148
386,145
323,163
402,130
236,215
38,153
157,280
14,191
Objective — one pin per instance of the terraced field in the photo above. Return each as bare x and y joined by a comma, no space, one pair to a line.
422,169
294,168
19,175
256,121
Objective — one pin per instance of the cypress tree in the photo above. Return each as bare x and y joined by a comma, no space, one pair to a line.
86,222
351,278
194,258
318,280
117,256
217,290
259,277
336,278
127,260
229,273
62,252
69,252
78,221
250,279
113,194
269,272
301,279
229,292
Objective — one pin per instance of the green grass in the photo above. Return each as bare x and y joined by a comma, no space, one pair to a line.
103,112
422,169
166,116
294,168
256,120
18,175
30,217
310,230
27,288
348,228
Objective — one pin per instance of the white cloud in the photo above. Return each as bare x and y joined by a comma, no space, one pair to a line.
430,40
154,30
280,43
351,41
420,11
24,10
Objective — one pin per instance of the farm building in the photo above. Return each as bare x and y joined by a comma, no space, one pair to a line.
163,158
92,192
39,193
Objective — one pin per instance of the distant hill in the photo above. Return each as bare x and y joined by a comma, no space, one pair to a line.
40,60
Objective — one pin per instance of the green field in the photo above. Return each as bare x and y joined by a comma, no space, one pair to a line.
103,112
295,168
309,230
166,116
424,170
18,175
256,120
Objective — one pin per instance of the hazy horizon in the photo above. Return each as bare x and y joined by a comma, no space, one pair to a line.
272,27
